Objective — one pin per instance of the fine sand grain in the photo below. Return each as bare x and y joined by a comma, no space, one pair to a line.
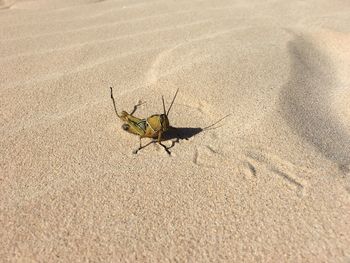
268,183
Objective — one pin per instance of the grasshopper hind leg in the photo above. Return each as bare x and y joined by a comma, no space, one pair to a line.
139,103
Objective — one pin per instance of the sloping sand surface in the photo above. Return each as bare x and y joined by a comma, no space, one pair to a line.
268,183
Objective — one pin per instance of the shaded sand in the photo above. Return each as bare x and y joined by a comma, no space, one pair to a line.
269,183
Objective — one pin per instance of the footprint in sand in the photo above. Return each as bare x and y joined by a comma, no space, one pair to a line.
281,168
247,168
344,168
207,156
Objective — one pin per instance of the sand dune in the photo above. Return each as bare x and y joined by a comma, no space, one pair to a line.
307,100
269,181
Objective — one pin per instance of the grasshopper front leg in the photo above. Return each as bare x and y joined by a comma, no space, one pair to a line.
160,143
140,147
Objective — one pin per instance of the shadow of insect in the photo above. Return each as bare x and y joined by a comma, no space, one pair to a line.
175,134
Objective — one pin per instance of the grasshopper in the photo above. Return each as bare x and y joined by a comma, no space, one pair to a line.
151,127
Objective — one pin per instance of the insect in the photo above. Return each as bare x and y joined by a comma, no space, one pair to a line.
151,127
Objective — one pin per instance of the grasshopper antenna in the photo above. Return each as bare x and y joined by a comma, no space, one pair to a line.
172,102
211,125
115,108
163,105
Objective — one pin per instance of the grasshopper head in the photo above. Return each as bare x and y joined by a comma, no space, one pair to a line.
164,121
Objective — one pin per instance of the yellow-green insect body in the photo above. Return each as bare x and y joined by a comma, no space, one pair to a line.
151,127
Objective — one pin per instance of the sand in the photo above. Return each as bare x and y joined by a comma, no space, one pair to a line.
268,183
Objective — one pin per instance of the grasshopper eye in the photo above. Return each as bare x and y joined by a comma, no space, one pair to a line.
164,121
162,118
